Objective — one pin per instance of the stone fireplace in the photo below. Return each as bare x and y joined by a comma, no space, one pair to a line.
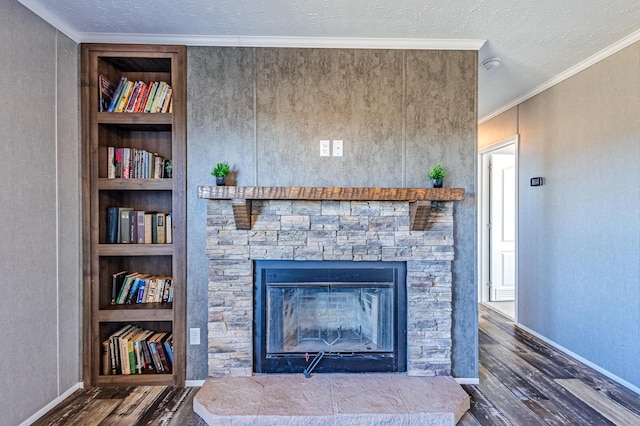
412,227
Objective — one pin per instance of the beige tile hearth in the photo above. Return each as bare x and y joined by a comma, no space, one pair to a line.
331,399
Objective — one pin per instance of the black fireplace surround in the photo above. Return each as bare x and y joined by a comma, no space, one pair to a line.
354,312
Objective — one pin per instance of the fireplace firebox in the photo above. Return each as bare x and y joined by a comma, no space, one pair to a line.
353,312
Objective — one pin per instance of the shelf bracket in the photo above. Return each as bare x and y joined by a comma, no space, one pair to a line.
419,214
242,212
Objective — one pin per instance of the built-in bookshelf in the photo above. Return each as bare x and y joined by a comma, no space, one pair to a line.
126,214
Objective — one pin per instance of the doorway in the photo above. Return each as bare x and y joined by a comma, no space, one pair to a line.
498,174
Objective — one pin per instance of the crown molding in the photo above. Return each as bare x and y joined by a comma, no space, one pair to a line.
289,42
581,66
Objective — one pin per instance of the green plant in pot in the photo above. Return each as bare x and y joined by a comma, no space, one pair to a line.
220,171
436,175
168,169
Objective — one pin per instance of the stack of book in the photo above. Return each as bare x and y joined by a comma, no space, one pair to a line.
133,288
128,226
132,163
134,96
133,350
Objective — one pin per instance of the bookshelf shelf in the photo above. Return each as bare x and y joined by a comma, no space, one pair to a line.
135,249
153,136
136,313
135,184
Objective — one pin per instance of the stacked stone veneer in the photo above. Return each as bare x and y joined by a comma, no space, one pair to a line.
329,230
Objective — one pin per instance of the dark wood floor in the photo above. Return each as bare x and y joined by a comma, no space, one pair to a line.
523,381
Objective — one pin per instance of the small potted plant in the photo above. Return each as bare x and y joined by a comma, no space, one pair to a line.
220,171
436,175
168,169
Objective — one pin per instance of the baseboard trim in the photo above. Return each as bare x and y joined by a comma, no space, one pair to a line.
467,380
44,410
194,383
585,361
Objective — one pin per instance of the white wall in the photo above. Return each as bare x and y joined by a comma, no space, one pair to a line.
40,256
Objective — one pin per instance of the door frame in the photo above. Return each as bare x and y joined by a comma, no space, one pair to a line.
483,217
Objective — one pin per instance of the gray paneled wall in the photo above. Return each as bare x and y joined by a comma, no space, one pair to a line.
398,112
40,249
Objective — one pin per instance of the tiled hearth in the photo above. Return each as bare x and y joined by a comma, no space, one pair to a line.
329,230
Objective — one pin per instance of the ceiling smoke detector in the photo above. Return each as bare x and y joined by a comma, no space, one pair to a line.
491,63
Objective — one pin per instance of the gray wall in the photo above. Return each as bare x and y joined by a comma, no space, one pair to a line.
579,259
398,112
39,202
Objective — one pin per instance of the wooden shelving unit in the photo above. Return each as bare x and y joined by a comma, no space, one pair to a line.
165,134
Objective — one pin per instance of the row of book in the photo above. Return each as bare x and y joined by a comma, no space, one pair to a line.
129,288
134,96
133,350
132,163
128,226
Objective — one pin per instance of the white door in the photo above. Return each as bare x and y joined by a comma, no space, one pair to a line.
503,227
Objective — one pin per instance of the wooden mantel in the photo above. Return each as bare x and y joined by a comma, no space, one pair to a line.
241,196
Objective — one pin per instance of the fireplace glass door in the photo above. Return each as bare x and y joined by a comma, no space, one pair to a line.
349,311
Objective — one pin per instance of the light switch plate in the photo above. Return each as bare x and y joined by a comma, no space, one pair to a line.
337,148
325,150
194,336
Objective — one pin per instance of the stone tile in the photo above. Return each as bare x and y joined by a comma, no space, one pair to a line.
366,394
238,396
295,395
432,395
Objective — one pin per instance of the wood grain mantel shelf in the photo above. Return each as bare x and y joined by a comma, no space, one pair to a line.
241,196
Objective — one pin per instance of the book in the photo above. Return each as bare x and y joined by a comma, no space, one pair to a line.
118,162
117,280
151,97
125,225
105,92
119,231
161,237
111,162
112,225
141,290
141,96
117,94
123,340
169,228
126,287
106,357
126,163
157,297
151,290
159,342
168,347
167,100
160,93
133,97
166,290
154,352
122,103
140,231
148,227
133,227
115,347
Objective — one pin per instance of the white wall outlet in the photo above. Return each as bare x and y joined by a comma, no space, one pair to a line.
337,148
194,336
325,150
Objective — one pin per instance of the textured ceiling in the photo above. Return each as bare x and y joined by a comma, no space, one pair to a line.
537,40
